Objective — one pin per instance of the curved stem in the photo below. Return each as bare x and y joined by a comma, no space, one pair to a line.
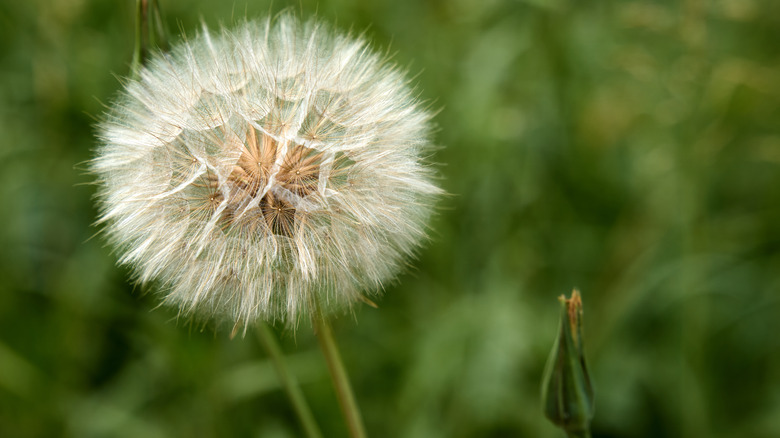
339,376
289,382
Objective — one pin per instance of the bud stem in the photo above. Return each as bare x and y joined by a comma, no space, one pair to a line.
289,382
340,379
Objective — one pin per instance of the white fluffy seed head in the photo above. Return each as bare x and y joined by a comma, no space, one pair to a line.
266,172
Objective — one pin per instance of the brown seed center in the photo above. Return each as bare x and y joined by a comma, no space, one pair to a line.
295,176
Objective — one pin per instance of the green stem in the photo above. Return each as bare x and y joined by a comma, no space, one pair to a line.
339,376
158,35
289,382
139,49
150,34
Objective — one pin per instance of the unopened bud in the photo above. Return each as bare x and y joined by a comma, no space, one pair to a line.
567,394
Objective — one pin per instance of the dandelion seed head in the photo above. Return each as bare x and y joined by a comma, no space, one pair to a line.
265,172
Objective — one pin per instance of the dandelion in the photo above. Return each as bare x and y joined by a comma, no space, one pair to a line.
266,173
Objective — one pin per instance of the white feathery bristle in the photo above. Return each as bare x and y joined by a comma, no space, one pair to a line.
266,172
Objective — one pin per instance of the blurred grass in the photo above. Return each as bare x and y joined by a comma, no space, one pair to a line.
631,149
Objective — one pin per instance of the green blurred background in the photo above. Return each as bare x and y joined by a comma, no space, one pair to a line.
629,148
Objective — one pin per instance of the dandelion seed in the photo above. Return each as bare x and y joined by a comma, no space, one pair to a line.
263,172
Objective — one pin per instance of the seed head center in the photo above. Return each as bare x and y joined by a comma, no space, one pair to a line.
292,178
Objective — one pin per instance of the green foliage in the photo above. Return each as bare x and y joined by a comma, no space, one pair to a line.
630,149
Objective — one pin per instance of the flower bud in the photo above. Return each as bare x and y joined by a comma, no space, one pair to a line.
567,394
